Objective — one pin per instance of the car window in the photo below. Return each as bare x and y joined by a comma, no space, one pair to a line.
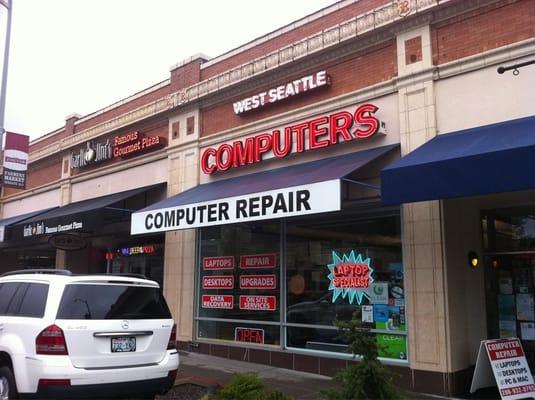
9,297
34,301
82,301
23,299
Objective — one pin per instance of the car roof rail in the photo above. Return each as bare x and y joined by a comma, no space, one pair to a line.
50,271
128,275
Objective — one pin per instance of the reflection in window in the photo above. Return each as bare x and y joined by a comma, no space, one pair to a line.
310,247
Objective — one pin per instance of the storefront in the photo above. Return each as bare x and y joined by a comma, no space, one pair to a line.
366,158
296,238
88,235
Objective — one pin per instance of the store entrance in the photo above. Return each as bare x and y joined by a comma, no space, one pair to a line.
509,245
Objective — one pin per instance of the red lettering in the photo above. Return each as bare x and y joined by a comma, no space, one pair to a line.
277,151
336,128
263,144
315,131
322,132
224,157
206,168
243,154
300,136
362,119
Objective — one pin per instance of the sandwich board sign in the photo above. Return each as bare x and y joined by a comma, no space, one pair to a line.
507,361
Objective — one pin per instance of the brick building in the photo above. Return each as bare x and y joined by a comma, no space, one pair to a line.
374,135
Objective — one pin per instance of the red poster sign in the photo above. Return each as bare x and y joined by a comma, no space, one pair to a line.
214,301
510,368
258,303
218,282
15,160
258,282
258,261
217,263
249,335
502,349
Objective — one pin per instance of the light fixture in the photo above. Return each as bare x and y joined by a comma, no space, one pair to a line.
473,259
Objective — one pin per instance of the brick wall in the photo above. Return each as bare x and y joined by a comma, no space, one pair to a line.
48,141
483,29
131,105
329,20
377,64
40,173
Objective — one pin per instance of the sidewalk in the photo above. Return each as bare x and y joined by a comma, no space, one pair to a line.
209,371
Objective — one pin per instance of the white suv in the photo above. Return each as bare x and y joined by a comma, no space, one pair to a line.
73,336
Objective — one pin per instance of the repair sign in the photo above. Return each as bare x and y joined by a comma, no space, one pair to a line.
510,368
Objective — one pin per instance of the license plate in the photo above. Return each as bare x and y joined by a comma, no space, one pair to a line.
123,344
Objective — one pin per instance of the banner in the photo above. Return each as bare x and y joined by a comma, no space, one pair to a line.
15,160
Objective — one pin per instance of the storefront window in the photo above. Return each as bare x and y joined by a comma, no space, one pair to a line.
509,241
239,278
240,271
313,304
139,258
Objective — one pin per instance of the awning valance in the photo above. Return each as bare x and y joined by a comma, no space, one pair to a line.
74,217
301,189
18,218
489,159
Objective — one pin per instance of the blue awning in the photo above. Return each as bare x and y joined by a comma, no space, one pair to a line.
489,159
303,189
295,175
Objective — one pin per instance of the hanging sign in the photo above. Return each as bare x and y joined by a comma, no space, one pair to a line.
218,282
350,276
15,160
215,301
507,361
258,303
67,241
258,261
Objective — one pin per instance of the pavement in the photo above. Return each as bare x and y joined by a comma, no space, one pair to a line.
211,371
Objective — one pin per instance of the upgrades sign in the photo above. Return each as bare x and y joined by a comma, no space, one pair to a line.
287,202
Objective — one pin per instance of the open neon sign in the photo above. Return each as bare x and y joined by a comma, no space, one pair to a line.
351,276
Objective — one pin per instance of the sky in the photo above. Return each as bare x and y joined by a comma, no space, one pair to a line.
78,56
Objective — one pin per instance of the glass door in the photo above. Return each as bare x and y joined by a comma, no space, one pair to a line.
509,243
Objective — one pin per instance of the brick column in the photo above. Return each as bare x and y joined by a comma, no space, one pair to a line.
179,267
422,224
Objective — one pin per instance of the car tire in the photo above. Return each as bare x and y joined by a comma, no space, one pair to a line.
8,389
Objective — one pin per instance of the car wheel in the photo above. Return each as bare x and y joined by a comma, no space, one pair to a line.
8,390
